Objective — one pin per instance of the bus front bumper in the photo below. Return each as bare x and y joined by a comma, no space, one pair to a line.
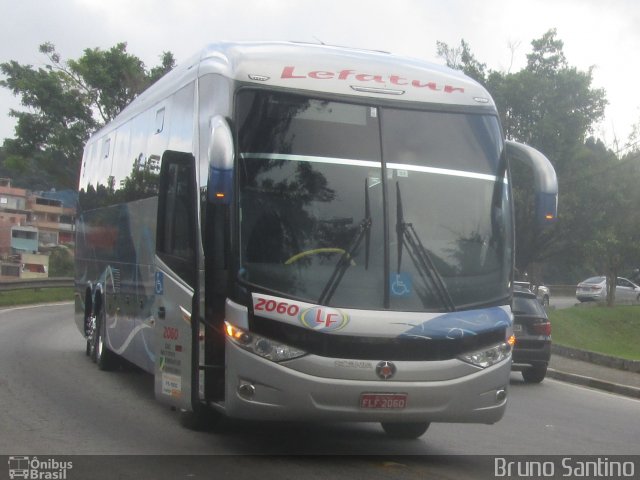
259,389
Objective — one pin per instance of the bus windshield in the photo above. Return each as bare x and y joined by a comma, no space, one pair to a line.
372,207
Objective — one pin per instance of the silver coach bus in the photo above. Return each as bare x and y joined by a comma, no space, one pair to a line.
303,232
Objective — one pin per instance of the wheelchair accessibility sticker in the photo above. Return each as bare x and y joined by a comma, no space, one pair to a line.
401,285
159,283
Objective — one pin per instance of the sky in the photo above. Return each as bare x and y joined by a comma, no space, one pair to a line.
600,34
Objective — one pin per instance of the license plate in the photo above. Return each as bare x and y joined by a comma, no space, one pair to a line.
517,328
383,401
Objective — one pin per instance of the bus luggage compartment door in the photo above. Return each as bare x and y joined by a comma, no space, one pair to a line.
173,366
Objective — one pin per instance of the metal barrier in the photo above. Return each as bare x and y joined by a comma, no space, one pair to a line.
563,290
38,283
35,283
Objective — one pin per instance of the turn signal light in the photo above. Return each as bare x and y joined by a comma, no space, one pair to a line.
261,346
237,334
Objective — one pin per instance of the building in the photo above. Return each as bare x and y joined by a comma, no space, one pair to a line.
54,221
13,220
26,265
31,224
12,200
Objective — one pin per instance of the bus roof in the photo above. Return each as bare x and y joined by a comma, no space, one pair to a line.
340,70
321,68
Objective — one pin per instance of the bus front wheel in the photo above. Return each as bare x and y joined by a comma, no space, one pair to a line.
405,430
201,419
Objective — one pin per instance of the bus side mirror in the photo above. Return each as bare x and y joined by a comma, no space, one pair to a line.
221,155
544,177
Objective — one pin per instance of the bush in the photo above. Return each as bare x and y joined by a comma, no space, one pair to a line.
61,262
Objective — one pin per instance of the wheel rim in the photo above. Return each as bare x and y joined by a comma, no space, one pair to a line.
91,334
100,328
99,346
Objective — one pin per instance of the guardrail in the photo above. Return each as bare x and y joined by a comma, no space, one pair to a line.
563,290
7,285
38,283
34,283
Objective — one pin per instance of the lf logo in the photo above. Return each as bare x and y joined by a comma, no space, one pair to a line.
324,319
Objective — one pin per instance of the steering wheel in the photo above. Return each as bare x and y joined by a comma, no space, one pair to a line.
317,251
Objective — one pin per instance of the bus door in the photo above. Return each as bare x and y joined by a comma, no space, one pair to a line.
176,283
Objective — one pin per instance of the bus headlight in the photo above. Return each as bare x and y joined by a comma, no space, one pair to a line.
261,346
489,356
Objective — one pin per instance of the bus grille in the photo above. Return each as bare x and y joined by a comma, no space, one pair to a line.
373,348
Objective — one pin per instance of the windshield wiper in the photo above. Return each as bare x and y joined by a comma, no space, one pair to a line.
364,232
420,256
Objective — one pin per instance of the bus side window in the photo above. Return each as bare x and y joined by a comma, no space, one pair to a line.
176,241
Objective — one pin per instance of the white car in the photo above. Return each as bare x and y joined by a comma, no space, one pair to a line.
542,292
595,289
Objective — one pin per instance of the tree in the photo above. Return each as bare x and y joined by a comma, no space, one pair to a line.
61,262
552,107
65,102
461,58
615,242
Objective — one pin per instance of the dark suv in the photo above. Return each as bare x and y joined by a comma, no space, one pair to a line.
532,330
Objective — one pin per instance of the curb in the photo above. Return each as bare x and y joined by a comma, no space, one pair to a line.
597,358
626,390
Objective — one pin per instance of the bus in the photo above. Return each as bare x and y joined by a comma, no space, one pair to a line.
289,231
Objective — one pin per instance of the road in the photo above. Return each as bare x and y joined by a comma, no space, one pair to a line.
56,402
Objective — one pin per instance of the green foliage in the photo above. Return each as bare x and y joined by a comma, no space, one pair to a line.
547,56
43,295
553,107
110,79
65,103
461,58
61,262
610,331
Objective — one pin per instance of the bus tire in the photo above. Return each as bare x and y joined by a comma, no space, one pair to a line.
105,358
91,337
405,430
88,322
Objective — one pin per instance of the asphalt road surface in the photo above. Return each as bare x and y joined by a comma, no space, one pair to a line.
54,401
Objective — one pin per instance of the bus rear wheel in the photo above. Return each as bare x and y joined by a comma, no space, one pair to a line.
104,358
405,430
91,337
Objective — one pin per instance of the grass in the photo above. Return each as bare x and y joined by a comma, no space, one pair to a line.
30,296
610,331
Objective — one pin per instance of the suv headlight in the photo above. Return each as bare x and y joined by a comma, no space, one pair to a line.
261,346
489,356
